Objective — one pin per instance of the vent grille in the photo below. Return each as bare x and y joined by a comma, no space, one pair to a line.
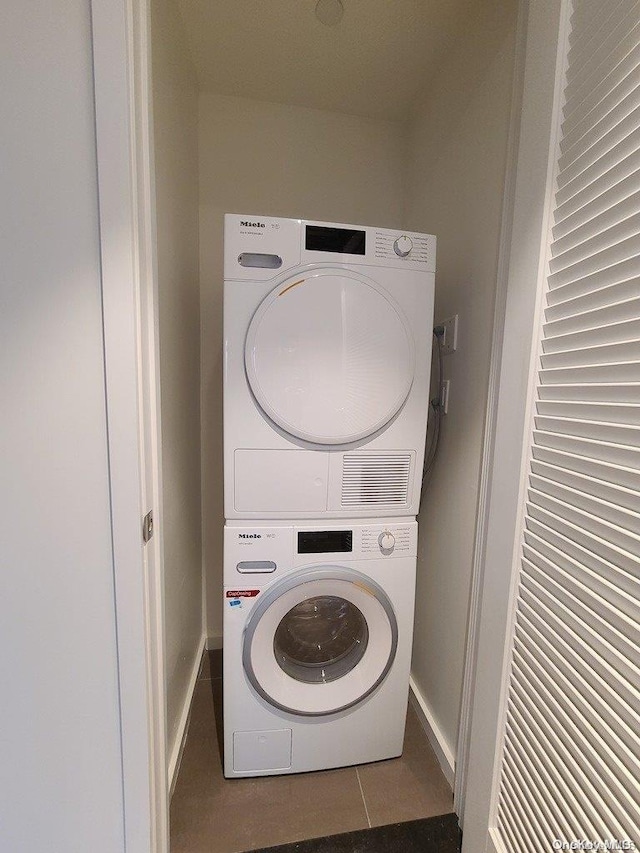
373,480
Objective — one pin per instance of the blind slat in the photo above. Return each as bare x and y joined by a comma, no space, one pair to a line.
615,172
596,469
590,523
625,329
532,780
606,18
593,355
613,126
598,430
602,451
602,260
589,247
602,706
614,492
531,831
592,793
611,372
595,648
597,560
580,493
619,392
586,539
600,584
593,756
537,752
603,297
546,753
591,220
612,626
586,15
609,412
599,718
604,96
616,145
604,62
577,655
511,826
616,274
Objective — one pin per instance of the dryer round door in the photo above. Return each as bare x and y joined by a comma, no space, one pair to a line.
329,356
320,641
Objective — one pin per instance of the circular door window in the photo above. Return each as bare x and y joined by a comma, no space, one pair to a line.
320,641
329,357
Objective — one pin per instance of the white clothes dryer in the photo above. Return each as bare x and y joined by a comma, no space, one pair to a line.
318,624
327,355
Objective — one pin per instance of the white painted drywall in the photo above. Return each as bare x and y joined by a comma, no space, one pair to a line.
60,766
175,107
454,185
276,160
370,64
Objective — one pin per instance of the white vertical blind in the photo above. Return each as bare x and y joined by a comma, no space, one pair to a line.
570,768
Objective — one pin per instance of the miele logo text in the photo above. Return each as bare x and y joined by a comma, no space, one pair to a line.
249,536
253,224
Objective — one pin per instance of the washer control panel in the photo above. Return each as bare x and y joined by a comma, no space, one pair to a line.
380,538
399,540
258,554
403,245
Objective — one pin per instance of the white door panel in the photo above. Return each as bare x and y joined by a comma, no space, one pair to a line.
555,745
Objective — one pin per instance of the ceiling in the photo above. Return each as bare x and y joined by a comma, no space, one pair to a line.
373,63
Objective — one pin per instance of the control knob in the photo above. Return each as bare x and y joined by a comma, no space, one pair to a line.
387,542
403,245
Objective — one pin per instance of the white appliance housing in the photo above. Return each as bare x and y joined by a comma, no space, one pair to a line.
327,357
317,643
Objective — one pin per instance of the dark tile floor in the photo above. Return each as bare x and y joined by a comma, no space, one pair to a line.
210,814
439,834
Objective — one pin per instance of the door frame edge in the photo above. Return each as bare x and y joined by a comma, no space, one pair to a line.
524,276
488,442
124,153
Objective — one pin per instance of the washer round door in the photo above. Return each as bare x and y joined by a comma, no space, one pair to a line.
329,356
320,641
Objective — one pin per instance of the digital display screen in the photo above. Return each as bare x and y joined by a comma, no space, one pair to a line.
325,541
320,238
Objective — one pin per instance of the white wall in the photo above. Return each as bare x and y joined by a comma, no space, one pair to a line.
60,771
454,185
276,160
175,106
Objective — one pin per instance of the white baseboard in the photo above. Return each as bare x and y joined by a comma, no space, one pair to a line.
438,742
214,642
175,756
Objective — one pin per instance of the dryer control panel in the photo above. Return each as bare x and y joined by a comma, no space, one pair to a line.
414,247
259,248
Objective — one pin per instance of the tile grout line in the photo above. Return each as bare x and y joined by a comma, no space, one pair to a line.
364,802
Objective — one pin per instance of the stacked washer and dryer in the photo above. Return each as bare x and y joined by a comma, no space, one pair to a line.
327,355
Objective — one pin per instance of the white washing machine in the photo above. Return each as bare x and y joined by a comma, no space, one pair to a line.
318,624
327,354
